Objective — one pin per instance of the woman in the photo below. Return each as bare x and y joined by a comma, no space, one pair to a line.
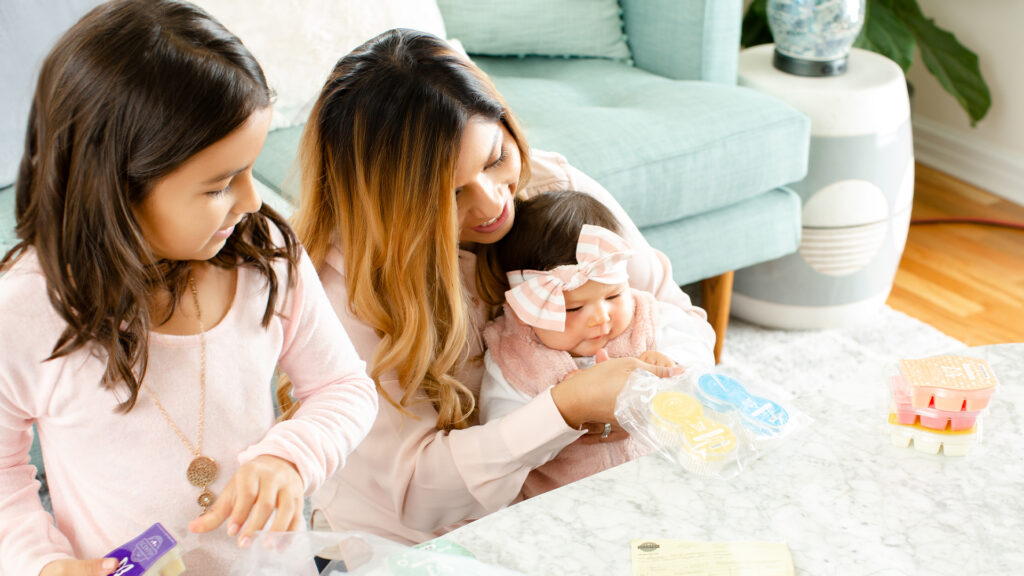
410,162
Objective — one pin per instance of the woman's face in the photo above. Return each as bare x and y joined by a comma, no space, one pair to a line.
486,176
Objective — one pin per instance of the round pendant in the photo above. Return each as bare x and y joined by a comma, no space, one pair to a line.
202,471
205,499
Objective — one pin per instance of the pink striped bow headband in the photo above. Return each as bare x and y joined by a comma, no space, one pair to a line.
537,297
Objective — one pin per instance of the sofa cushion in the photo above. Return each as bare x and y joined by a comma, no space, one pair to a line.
762,228
298,43
276,166
590,28
666,149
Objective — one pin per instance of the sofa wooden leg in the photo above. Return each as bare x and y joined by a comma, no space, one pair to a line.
716,295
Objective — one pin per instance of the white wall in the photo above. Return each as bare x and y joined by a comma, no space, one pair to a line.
990,155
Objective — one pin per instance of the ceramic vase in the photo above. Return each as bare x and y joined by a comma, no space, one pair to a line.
813,37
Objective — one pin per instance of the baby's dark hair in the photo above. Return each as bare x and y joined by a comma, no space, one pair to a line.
547,228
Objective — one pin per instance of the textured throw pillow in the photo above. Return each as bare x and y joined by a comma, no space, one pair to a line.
586,28
298,42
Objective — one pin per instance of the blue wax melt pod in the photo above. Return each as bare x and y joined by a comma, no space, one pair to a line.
723,394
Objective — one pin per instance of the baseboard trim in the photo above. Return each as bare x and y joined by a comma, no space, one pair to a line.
969,158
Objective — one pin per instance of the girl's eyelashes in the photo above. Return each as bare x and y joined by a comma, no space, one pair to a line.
222,191
576,309
614,296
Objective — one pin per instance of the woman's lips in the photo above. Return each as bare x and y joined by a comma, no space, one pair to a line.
497,222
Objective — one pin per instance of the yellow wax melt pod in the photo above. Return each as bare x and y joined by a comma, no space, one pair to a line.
679,419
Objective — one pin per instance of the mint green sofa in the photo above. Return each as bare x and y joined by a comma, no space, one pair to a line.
699,163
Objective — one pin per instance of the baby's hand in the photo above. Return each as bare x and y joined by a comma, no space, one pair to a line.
656,358
266,485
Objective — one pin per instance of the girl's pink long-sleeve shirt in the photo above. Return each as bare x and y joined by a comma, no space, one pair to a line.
110,474
409,481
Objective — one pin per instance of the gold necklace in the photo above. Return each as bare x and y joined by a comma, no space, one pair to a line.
202,470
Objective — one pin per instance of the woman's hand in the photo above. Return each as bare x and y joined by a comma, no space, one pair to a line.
595,433
70,567
266,486
589,395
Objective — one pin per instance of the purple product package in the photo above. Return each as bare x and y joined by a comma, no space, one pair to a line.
154,548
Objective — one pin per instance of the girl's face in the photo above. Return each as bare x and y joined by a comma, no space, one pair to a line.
190,213
486,176
595,313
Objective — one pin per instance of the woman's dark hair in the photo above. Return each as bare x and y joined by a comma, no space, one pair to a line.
125,97
547,228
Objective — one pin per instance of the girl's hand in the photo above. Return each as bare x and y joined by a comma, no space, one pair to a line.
266,486
589,395
69,567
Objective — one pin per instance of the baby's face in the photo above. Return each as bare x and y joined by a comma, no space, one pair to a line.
595,313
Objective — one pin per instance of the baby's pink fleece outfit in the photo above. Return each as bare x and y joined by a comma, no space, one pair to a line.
113,474
531,367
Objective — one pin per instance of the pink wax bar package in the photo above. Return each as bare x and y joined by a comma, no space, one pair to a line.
927,417
153,553
949,383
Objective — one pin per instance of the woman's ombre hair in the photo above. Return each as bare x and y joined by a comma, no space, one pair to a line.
378,176
124,98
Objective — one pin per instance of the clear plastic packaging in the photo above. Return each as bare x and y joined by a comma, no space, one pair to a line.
927,416
710,424
950,383
931,441
936,403
349,553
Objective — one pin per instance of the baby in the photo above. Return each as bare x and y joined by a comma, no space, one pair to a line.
569,303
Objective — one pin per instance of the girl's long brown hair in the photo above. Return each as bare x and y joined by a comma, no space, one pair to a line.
378,176
125,97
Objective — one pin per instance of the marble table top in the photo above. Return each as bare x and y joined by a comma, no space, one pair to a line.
839,494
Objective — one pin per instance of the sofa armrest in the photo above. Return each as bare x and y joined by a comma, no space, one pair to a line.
685,39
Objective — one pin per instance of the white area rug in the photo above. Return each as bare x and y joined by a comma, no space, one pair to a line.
844,359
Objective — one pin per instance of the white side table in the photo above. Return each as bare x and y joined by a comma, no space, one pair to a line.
856,197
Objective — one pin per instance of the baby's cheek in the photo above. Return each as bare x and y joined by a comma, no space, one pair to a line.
628,308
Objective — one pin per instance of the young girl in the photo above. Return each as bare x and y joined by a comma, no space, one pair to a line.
149,300
570,301
411,160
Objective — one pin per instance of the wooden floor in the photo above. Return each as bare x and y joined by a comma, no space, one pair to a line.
964,279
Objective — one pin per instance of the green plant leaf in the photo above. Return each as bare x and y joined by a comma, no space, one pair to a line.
954,66
885,34
755,25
